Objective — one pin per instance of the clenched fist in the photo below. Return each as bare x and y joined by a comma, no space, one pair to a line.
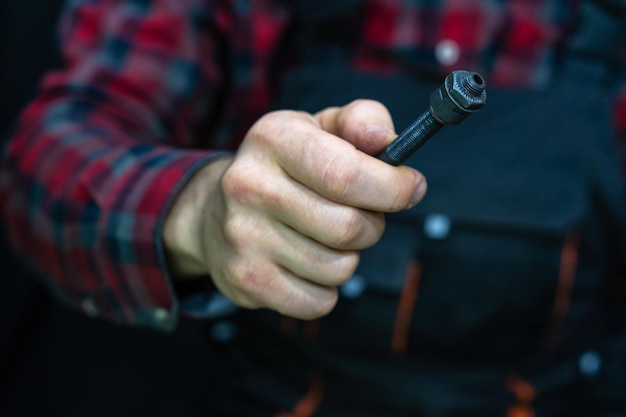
280,225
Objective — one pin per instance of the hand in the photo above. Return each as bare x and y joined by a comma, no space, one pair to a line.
281,224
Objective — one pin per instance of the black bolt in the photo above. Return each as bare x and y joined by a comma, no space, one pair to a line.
461,94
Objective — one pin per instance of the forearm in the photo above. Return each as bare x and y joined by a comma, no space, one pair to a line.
99,157
90,218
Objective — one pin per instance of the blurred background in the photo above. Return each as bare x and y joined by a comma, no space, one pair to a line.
26,49
56,362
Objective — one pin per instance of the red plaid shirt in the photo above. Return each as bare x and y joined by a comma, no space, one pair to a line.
151,89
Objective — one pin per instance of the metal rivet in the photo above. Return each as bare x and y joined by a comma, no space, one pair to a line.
89,307
447,52
161,315
590,363
437,226
353,288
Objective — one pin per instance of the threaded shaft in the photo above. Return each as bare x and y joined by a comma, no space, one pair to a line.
413,137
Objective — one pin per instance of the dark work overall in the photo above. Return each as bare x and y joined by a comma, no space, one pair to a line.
492,296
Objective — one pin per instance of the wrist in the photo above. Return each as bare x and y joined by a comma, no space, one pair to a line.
182,231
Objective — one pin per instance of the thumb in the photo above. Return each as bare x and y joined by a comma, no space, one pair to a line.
366,124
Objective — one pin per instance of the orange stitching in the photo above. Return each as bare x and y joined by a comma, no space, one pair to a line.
563,296
309,403
406,304
525,394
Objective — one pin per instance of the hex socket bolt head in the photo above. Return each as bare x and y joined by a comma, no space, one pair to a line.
461,94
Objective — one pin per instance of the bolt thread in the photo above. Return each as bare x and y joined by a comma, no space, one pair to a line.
411,139
473,82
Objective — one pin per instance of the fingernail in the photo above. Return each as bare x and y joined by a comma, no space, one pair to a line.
418,193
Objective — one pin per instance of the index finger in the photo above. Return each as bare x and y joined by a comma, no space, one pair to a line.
366,124
339,172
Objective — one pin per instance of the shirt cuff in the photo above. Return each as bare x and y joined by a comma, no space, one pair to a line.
143,292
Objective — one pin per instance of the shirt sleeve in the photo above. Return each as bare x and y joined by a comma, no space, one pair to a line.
98,157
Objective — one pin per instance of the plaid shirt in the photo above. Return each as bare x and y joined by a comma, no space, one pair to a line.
151,89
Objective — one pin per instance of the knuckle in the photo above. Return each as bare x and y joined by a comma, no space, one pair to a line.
236,184
239,277
339,179
399,200
316,308
235,231
269,128
245,185
364,106
266,128
355,119
324,305
347,268
362,102
347,231
402,196
248,282
238,292
351,118
378,223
